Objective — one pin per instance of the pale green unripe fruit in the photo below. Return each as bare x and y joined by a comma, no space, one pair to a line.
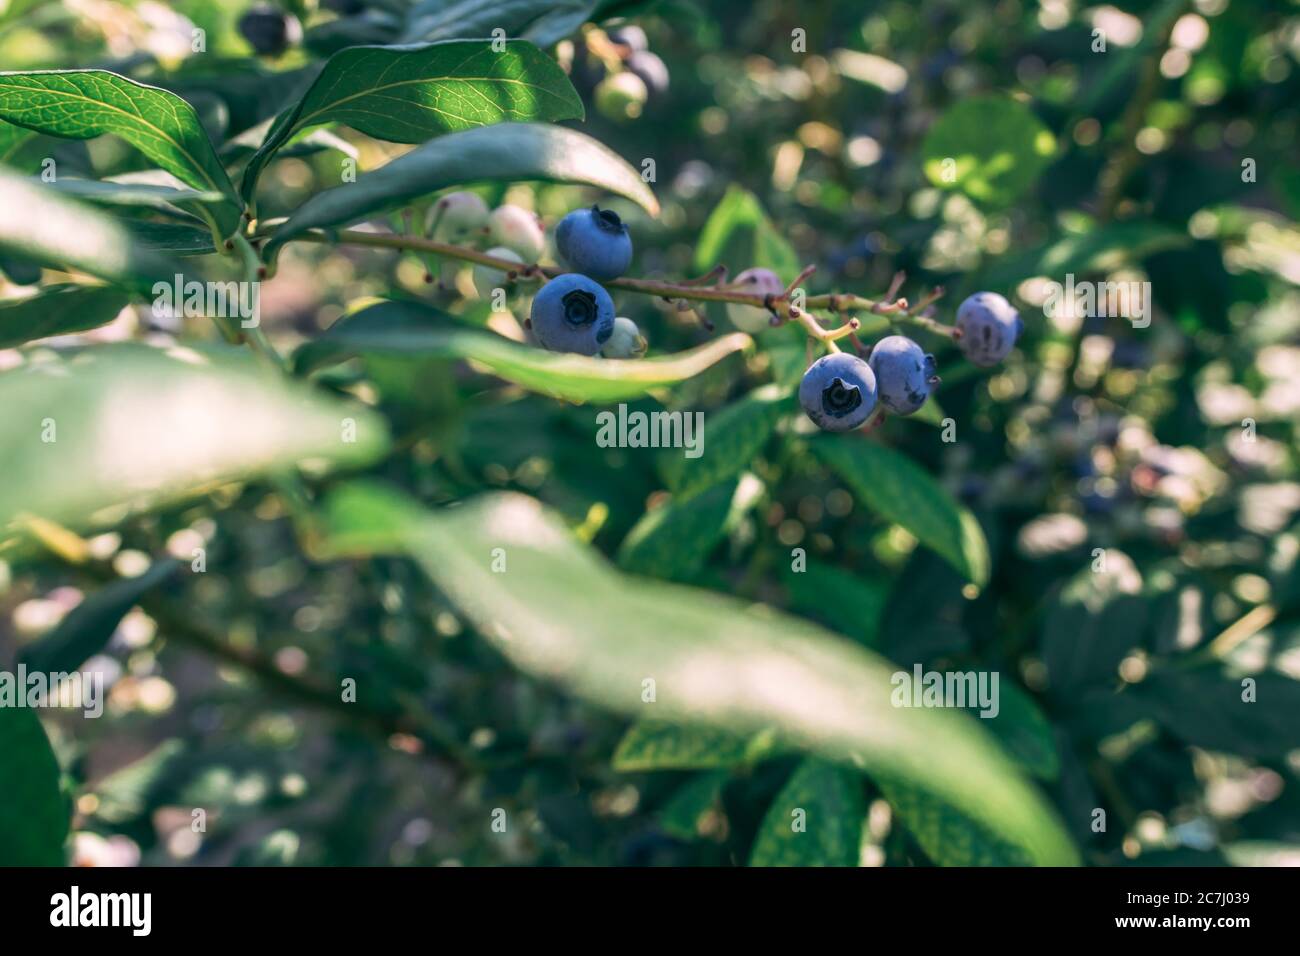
518,229
456,217
486,278
760,282
626,342
621,96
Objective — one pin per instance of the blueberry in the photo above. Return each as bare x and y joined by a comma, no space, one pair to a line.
487,278
518,229
573,313
989,326
455,217
749,318
904,373
651,69
630,36
838,391
595,242
627,342
268,30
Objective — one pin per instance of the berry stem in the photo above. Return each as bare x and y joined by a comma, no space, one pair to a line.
690,289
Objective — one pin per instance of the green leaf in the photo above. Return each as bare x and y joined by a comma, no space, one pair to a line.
34,814
543,22
845,601
38,224
733,438
559,612
674,540
412,331
1095,620
1204,707
948,837
58,310
408,94
900,491
170,238
992,148
505,152
739,235
87,628
144,195
656,745
1024,731
816,819
682,815
94,434
1103,249
82,104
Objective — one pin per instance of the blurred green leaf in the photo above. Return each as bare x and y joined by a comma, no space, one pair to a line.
33,812
739,235
411,331
715,662
655,745
81,104
543,22
680,817
1024,730
88,627
38,224
948,837
96,433
675,539
816,819
1097,618
992,148
733,437
843,600
900,491
58,310
410,94
505,152
1205,707
158,198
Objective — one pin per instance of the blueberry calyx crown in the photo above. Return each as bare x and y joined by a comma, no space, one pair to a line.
607,220
839,399
579,308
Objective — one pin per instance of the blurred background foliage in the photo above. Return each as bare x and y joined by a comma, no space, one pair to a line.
1172,447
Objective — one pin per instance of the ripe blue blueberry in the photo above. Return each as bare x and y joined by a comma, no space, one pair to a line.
268,30
904,373
988,326
573,313
594,242
838,391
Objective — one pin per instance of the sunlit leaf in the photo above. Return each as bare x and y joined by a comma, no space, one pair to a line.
713,660
816,819
992,148
408,94
505,152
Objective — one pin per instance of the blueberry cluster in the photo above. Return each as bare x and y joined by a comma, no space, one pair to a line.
625,76
840,391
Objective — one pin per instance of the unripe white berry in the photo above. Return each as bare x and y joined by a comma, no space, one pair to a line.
455,217
626,342
518,229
